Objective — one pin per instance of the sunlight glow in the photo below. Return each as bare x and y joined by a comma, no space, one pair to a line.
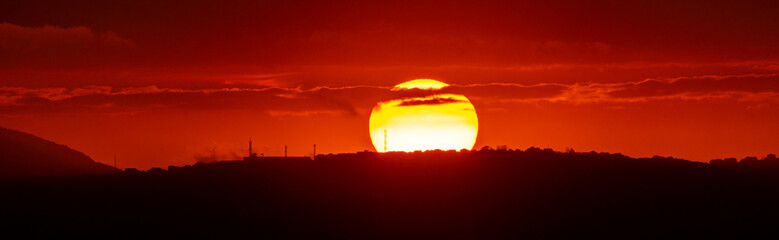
420,84
437,121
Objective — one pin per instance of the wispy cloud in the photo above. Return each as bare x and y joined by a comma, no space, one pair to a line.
281,101
749,87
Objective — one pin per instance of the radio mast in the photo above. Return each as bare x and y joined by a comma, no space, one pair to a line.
250,148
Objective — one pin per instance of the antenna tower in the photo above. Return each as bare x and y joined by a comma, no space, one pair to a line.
385,140
250,148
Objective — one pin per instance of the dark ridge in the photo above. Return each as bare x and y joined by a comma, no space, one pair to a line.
23,155
487,194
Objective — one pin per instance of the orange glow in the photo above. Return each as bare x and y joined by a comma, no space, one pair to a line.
421,84
574,74
437,121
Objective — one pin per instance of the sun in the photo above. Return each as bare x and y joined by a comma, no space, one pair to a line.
431,119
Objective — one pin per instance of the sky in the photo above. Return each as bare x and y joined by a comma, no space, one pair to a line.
163,83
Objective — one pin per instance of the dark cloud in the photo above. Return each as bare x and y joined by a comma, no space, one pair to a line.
431,101
376,33
48,46
18,38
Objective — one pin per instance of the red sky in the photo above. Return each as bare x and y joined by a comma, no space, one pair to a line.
161,82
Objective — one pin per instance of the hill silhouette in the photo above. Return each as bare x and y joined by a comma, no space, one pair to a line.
488,194
23,154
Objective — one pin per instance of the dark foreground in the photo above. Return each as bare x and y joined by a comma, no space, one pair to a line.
486,194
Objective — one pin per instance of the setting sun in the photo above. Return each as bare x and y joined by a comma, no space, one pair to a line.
434,121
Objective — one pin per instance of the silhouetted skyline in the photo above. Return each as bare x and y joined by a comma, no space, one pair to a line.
534,193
